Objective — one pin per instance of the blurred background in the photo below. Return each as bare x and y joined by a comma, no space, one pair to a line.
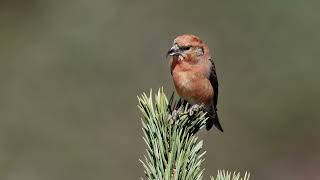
70,72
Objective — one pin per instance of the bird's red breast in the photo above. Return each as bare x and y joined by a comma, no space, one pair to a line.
191,83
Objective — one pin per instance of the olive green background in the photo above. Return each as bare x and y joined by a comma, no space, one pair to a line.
70,72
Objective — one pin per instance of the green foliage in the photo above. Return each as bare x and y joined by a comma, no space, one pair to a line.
226,175
174,152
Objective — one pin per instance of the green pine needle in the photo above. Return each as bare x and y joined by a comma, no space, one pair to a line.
226,175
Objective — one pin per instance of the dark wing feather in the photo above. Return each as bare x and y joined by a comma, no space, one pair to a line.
214,82
214,119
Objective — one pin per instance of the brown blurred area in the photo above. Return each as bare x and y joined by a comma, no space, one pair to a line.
70,72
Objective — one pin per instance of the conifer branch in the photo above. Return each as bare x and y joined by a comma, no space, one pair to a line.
174,152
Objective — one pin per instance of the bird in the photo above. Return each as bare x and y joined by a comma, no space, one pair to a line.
194,75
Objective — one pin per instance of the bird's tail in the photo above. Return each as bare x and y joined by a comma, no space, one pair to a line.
213,119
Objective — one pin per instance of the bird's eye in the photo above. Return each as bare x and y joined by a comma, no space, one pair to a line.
185,48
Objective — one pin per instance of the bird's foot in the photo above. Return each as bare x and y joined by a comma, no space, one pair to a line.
194,109
175,114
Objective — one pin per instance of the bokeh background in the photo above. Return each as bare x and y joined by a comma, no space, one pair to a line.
70,72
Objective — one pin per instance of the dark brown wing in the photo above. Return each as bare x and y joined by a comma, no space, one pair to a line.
214,119
214,82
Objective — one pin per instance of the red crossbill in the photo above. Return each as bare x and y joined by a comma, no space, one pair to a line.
194,75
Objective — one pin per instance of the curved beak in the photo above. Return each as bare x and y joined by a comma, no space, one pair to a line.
174,50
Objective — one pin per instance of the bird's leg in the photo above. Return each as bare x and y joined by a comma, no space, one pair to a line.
175,114
193,109
178,108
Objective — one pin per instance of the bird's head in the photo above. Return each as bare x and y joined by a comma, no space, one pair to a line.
189,48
